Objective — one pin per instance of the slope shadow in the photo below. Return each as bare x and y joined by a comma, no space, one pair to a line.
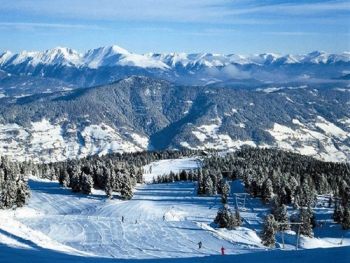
54,188
42,255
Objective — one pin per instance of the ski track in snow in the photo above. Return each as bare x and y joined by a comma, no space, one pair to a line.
91,226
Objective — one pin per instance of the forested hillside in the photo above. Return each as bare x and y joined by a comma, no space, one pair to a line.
140,113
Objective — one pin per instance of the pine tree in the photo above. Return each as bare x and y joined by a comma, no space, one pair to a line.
267,190
305,218
183,175
268,235
338,213
280,214
238,218
208,186
22,192
226,219
346,219
126,188
75,178
108,187
87,183
225,191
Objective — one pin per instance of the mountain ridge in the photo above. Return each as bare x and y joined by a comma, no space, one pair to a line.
71,56
61,68
140,113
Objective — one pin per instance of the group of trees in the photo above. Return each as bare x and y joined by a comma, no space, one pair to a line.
277,177
295,178
112,173
341,213
225,217
280,178
14,190
184,175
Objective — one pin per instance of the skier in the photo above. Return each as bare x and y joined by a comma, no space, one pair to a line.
163,217
122,219
200,244
222,251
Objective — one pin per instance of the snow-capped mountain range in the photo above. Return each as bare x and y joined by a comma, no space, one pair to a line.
62,68
117,56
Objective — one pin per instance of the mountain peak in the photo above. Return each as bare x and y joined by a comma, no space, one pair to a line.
61,55
118,49
111,50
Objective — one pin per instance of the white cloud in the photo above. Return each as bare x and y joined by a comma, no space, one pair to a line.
22,25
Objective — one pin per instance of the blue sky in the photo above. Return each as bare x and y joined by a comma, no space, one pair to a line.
220,26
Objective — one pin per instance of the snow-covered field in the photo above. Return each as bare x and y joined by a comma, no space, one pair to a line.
162,221
163,167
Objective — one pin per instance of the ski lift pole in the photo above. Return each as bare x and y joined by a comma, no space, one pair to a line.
236,201
245,196
298,236
298,233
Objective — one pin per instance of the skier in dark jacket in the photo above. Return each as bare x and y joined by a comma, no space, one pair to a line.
222,250
200,244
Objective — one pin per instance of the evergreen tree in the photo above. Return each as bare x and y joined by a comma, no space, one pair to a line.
226,219
126,188
87,183
225,191
268,235
267,190
238,218
305,218
108,185
280,214
338,213
346,219
208,186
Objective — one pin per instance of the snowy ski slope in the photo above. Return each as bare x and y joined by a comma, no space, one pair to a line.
161,221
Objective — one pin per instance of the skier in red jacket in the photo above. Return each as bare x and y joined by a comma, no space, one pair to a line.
222,250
